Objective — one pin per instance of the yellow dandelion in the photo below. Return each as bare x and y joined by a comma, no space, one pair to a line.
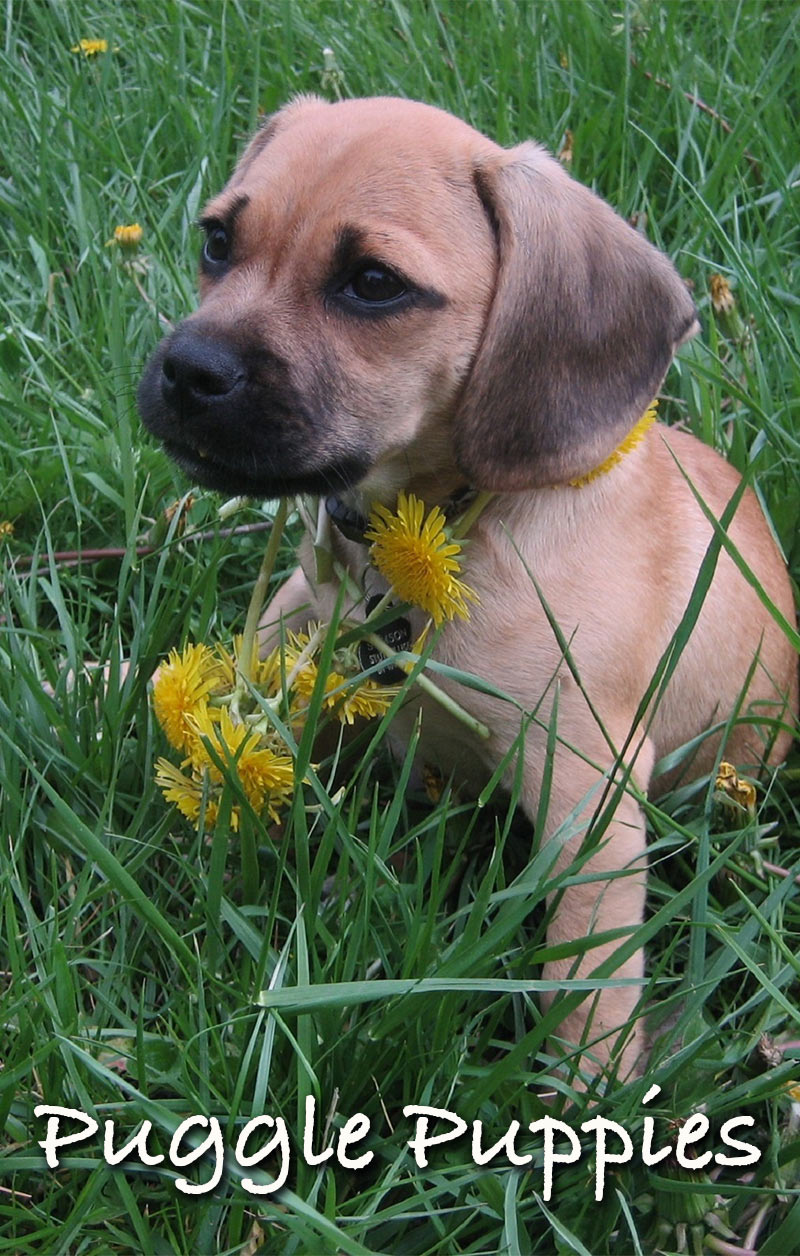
182,507
266,777
344,696
565,153
741,793
722,299
305,682
417,648
205,722
416,557
305,678
6,530
186,792
265,672
226,664
90,47
726,309
367,699
128,238
182,690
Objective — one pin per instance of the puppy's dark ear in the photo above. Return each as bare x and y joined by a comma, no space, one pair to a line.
584,322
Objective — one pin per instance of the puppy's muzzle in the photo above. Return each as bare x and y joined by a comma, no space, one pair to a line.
229,412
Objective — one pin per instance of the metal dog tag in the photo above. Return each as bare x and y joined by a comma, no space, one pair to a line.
396,634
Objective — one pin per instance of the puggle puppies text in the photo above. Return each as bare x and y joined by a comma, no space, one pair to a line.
390,301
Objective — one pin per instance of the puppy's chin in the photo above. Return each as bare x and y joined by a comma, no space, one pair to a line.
276,480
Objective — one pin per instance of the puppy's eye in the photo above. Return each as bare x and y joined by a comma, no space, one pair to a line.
217,248
376,285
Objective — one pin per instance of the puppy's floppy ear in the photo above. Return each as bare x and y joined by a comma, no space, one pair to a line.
584,322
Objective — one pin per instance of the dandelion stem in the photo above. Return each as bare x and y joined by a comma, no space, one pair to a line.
305,654
380,607
148,300
433,691
473,512
323,549
257,598
424,682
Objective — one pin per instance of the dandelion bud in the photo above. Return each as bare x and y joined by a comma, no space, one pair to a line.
128,238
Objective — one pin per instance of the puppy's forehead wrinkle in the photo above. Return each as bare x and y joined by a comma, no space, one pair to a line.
377,157
224,209
269,128
256,146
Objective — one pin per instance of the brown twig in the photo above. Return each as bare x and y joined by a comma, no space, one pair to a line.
73,558
777,870
754,1229
715,1244
700,104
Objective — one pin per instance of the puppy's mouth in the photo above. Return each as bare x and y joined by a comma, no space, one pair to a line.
204,465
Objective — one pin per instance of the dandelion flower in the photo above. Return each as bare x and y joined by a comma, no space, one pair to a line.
722,298
182,690
226,664
186,792
367,699
129,237
416,557
344,696
416,648
735,794
726,310
266,777
6,530
265,673
90,47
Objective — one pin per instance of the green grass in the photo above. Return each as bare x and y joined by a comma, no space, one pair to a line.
398,938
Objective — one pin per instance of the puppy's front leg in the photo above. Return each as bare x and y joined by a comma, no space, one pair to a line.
291,610
613,899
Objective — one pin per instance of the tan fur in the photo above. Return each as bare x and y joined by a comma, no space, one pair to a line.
557,325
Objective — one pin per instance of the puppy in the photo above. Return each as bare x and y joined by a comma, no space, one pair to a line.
391,302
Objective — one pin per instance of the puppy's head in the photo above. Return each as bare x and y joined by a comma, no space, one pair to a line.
390,300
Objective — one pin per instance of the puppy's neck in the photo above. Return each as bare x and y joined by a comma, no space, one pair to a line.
350,511
384,482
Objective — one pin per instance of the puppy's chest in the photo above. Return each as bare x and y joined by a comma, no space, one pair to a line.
445,742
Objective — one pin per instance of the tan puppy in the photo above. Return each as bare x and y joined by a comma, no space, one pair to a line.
391,301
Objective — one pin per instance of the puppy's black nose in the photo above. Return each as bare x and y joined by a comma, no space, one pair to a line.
199,369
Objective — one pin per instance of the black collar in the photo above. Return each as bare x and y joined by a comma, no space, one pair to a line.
352,524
